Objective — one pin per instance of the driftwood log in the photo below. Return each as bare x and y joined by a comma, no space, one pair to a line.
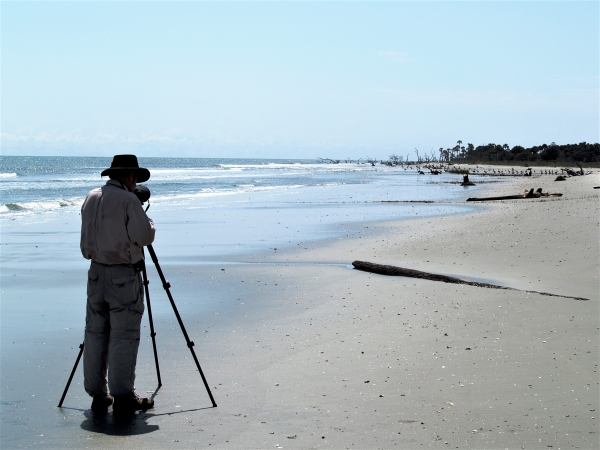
574,173
527,194
382,269
329,160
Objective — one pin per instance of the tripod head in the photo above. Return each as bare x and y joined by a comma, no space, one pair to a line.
143,194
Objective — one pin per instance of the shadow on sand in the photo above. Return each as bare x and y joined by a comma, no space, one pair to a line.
124,424
118,424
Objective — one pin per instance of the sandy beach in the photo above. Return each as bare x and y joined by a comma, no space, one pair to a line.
309,353
376,225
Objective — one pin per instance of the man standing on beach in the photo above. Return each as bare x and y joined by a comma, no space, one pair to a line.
114,231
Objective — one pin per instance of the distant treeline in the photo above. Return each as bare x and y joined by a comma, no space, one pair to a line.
582,152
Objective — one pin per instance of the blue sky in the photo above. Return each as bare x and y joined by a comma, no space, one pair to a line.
295,79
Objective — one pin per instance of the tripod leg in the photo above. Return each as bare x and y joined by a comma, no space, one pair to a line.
62,399
152,333
190,344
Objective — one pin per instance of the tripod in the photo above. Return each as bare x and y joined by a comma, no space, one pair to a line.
190,344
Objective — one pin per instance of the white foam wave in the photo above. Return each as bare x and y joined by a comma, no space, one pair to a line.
282,166
310,167
266,166
277,188
205,193
8,175
194,174
38,207
224,171
41,207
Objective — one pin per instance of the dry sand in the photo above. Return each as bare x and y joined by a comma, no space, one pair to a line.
448,365
314,354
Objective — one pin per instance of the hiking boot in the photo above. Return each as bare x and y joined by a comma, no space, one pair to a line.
100,403
131,402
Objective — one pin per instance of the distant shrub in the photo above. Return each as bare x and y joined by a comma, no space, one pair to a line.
582,152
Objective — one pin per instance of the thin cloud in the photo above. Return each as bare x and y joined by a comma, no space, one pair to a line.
585,99
169,139
395,56
74,138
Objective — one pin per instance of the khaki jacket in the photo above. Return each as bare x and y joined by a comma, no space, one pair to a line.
114,226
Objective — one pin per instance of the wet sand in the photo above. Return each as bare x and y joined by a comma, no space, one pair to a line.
307,353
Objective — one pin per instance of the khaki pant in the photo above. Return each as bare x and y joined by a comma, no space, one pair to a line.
115,305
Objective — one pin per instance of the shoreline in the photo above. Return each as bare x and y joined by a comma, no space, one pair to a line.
307,355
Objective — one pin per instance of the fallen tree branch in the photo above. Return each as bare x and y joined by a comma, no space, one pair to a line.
382,269
405,201
527,194
329,160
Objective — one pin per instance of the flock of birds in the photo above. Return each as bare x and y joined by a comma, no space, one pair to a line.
435,170
512,171
478,170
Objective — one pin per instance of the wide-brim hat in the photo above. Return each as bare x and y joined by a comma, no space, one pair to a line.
127,162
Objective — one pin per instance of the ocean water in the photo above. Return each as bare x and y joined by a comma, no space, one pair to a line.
206,212
205,208
39,186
